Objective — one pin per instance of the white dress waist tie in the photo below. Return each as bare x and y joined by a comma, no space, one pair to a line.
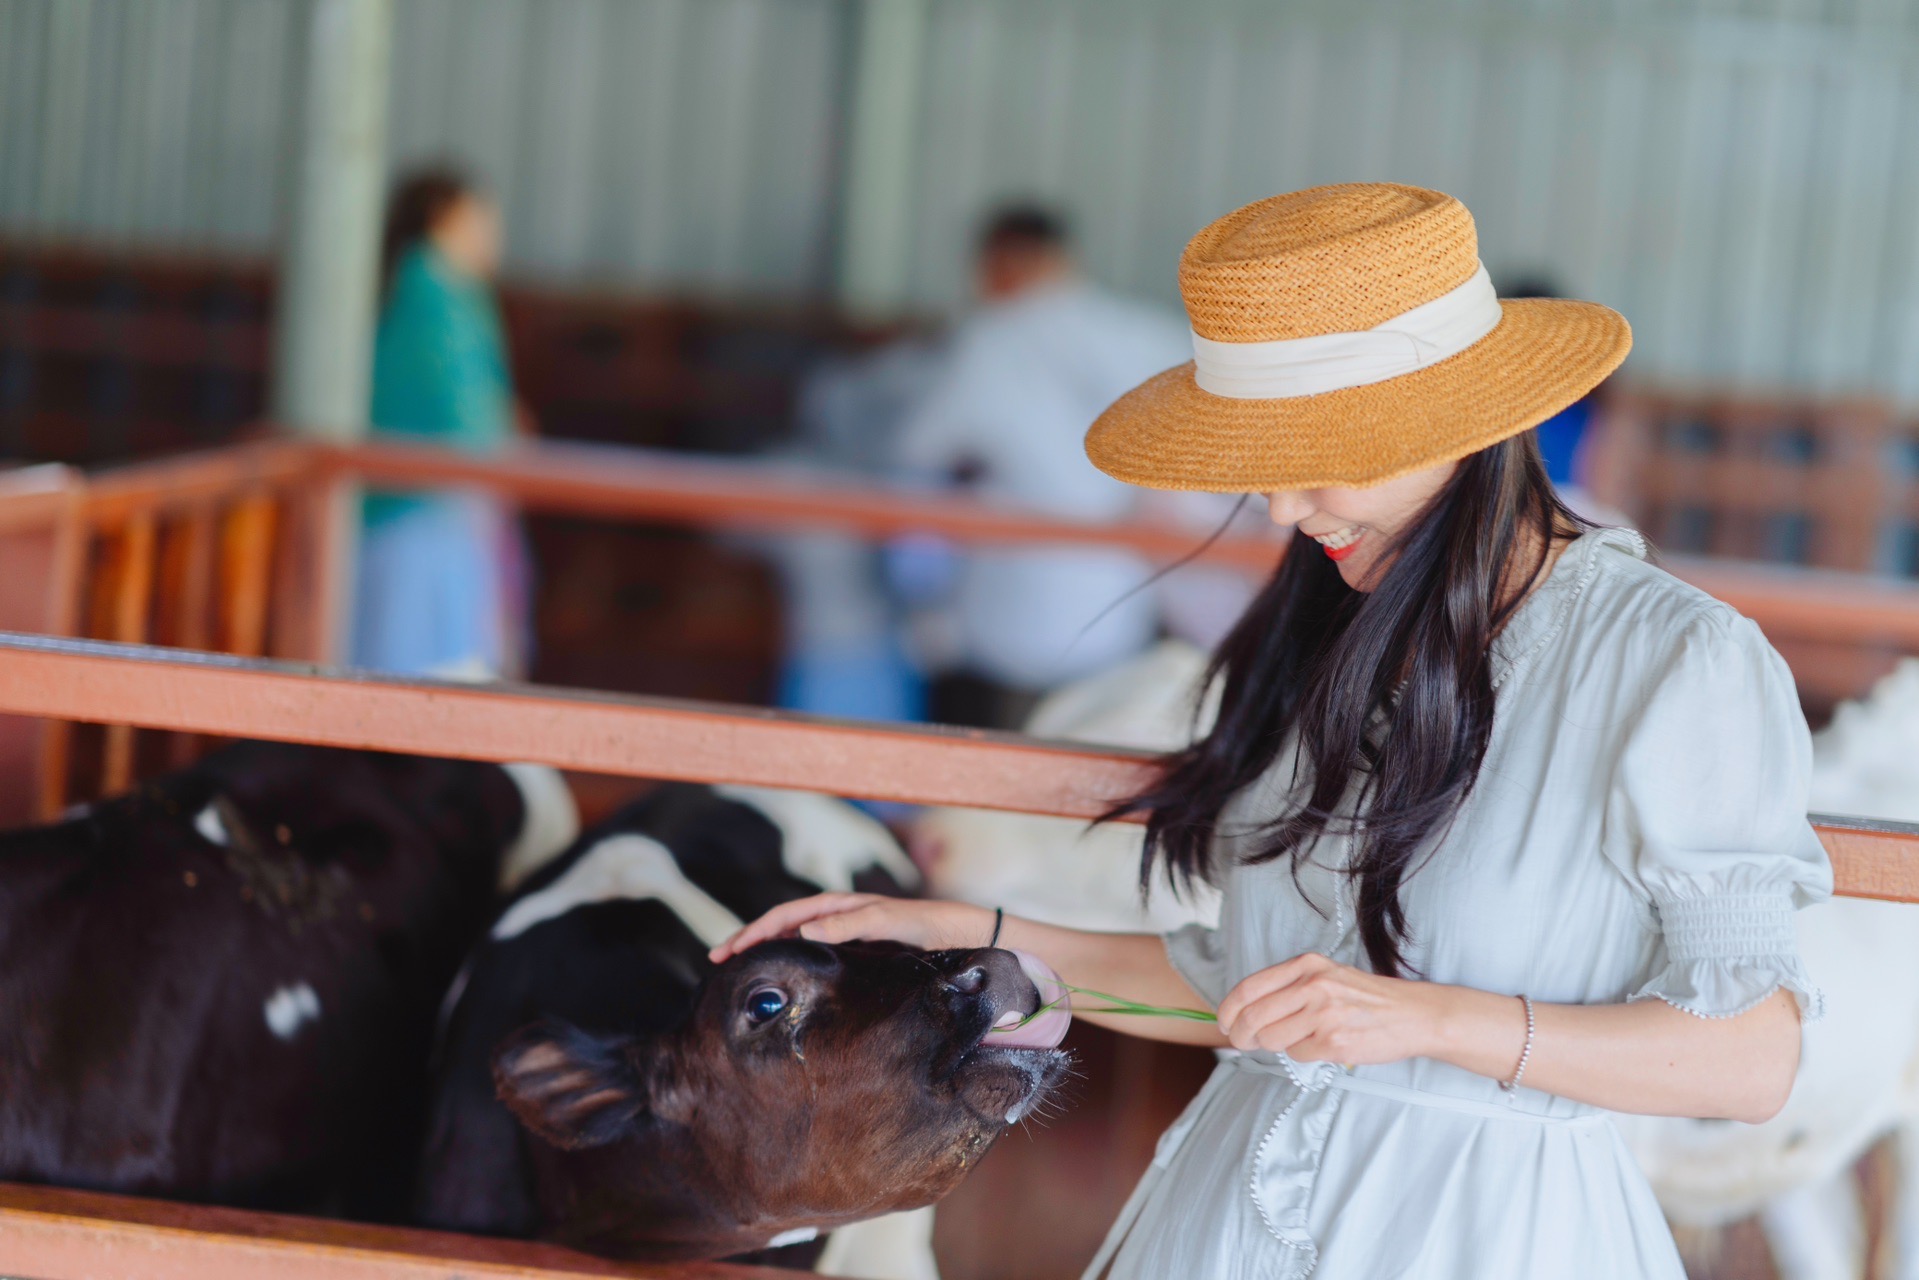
1521,1104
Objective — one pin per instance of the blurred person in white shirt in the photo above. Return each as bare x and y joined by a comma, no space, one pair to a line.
1026,374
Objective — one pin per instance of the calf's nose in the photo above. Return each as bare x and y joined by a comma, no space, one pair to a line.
993,977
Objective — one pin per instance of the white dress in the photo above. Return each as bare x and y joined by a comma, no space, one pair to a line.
1638,830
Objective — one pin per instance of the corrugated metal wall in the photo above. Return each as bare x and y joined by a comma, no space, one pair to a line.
1741,177
1742,180
680,142
662,143
146,121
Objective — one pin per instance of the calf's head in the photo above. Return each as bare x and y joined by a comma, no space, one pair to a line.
813,1086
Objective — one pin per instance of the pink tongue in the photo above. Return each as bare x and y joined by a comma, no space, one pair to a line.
1045,1029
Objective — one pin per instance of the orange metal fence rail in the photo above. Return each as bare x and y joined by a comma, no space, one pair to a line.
570,729
628,484
647,485
658,738
50,1234
1810,604
42,546
639,485
225,550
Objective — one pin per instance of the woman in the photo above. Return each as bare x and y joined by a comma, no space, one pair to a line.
437,571
1510,824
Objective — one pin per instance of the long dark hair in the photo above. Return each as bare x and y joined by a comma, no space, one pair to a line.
1317,659
417,204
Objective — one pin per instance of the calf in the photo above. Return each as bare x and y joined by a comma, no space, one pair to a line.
221,987
602,1084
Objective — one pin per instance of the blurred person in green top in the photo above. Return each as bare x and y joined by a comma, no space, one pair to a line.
440,572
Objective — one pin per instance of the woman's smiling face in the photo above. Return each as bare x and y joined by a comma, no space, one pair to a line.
1355,526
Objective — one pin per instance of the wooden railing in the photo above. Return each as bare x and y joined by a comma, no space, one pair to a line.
50,1234
1822,483
231,551
658,738
646,485
1777,478
639,737
1789,603
41,544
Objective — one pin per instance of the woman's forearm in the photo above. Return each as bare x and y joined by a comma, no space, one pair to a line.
1646,1058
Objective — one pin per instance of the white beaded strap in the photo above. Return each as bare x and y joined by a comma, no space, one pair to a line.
1525,1054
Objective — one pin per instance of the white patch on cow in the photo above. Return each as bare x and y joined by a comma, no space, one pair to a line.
897,1246
826,840
212,828
798,1235
1818,1230
1060,870
290,1008
1147,702
552,822
622,868
1901,1256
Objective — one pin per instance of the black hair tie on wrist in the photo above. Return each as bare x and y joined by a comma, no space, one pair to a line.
999,918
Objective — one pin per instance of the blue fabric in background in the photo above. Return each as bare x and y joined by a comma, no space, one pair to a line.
857,681
431,591
1559,438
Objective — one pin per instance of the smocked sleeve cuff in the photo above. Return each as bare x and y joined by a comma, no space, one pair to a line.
1198,954
1727,953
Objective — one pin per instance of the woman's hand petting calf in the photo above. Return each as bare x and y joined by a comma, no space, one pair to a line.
851,917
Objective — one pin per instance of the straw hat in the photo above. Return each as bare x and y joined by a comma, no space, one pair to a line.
1344,336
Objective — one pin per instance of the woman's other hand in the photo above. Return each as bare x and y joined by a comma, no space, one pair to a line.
1315,1010
847,917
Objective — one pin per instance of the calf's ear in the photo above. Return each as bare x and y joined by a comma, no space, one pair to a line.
573,1088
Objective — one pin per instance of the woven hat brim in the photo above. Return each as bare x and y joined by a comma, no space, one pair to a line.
1544,355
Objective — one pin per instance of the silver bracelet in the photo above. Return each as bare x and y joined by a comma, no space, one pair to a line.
1524,1054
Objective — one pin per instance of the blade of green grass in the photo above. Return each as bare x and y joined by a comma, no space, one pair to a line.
1115,1004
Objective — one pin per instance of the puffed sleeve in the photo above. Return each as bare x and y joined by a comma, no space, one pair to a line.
1708,815
1198,954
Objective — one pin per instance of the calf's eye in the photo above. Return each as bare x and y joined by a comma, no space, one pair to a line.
765,1005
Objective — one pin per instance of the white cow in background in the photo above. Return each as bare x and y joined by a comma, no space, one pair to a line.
1859,1076
1058,870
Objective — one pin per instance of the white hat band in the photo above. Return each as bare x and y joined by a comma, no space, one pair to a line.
1429,333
